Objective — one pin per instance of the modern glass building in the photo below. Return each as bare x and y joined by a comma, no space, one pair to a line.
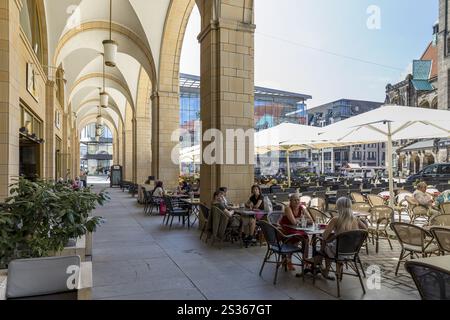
272,107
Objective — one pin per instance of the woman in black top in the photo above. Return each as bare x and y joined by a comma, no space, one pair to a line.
256,201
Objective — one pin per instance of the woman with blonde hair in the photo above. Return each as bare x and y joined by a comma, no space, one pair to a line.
343,223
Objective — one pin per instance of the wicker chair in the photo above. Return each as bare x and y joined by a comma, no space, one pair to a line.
318,203
361,207
379,220
319,216
445,208
375,200
416,211
414,241
442,220
432,282
442,237
306,200
203,219
279,247
357,197
274,218
348,246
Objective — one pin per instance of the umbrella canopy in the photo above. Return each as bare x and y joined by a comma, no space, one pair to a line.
275,139
299,136
387,124
190,155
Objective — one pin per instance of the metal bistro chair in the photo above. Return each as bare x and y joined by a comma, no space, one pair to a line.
379,219
413,240
278,246
173,211
442,237
348,246
432,282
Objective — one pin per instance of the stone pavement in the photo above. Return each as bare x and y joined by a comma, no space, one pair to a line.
135,257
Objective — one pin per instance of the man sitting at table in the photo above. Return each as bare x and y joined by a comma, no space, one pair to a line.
425,199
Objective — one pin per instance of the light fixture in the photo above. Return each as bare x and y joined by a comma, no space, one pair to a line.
104,98
110,46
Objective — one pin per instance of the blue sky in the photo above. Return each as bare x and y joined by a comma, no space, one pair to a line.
314,46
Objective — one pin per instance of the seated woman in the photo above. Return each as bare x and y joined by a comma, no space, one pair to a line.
158,191
256,202
343,223
292,216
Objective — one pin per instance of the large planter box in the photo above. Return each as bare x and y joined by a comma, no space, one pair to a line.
78,250
84,287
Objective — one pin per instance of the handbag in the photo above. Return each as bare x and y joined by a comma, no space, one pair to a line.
162,208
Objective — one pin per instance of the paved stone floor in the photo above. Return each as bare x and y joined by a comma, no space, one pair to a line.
135,257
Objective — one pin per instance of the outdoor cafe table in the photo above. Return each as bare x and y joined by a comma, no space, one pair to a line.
442,262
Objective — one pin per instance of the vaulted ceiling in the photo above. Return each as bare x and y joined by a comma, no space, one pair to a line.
75,31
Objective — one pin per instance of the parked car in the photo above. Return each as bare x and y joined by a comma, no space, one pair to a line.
435,173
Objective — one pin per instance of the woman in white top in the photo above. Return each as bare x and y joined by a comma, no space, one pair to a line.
345,222
159,190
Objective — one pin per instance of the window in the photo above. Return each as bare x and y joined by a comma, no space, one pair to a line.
431,170
445,169
31,123
31,25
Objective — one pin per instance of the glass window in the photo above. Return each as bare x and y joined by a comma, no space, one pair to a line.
29,21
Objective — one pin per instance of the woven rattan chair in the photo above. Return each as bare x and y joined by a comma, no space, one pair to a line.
361,207
417,211
414,241
203,219
445,208
348,246
357,197
319,216
442,220
274,218
375,200
278,246
442,237
379,219
306,200
318,203
432,282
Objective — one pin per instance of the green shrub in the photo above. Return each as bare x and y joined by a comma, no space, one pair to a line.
41,217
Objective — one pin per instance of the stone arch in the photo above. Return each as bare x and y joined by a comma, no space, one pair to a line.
428,159
91,118
92,102
414,165
434,103
424,104
86,36
401,159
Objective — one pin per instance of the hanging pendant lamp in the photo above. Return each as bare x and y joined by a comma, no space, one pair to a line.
104,97
110,46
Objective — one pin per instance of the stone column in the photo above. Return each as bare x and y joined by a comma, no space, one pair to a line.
227,91
49,172
143,148
9,94
165,128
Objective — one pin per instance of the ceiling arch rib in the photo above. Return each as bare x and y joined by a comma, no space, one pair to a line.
91,118
88,37
93,104
94,111
96,81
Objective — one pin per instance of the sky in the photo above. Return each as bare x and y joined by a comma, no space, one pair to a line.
331,49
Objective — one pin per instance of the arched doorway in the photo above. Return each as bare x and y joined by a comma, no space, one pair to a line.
434,104
414,165
428,160
96,152
424,104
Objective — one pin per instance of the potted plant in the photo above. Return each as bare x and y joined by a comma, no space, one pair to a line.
41,217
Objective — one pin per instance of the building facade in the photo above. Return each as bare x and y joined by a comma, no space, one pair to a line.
372,155
272,107
421,89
